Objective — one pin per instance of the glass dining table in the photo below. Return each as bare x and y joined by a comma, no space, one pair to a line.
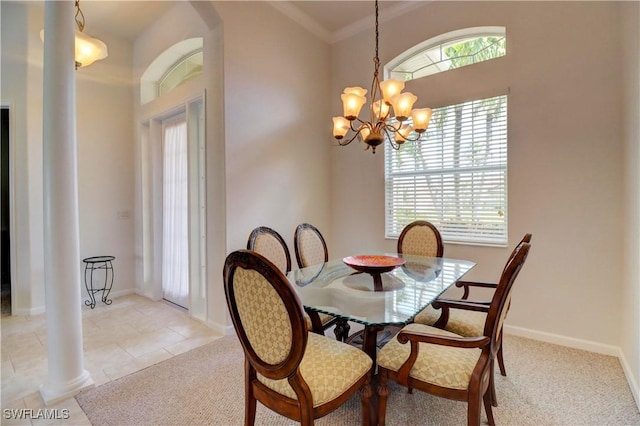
376,300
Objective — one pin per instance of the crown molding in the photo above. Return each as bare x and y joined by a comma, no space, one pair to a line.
366,22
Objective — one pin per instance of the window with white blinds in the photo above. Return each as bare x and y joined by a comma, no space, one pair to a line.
455,176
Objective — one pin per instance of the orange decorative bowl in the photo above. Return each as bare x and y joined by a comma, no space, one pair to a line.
373,264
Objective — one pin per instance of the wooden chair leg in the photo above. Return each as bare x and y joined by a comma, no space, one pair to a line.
249,408
492,385
383,393
474,409
488,408
341,330
249,398
366,393
501,360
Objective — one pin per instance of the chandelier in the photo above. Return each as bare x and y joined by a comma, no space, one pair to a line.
384,96
88,49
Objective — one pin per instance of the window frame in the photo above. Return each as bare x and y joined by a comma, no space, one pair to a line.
440,41
393,226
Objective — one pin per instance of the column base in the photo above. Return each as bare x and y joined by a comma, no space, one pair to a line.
52,394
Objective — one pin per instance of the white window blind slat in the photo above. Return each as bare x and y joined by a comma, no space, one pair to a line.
455,176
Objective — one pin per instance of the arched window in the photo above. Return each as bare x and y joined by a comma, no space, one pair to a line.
455,175
173,67
449,51
188,67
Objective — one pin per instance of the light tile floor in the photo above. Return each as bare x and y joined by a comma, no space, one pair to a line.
129,335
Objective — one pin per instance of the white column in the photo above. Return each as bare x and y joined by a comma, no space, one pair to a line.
67,375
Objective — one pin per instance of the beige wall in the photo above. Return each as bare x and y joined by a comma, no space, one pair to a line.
105,161
263,167
105,141
276,115
630,328
565,154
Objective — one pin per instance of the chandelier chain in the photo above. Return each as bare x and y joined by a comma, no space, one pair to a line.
381,126
79,16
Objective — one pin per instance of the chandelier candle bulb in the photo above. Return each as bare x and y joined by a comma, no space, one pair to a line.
355,90
390,88
402,104
402,135
352,104
421,118
364,133
381,109
340,127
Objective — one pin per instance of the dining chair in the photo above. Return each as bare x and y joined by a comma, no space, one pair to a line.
446,364
420,238
459,319
270,244
311,249
310,246
286,367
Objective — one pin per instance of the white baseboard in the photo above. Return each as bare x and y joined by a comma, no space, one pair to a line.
41,309
586,345
27,312
558,339
633,381
121,293
225,330
155,296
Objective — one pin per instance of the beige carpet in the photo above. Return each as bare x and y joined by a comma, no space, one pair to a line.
547,385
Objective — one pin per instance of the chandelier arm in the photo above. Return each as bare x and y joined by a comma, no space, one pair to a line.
356,129
355,135
389,128
391,140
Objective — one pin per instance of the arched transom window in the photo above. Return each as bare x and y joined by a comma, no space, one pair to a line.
188,67
178,64
449,51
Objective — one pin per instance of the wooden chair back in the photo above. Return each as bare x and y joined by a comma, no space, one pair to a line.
502,296
420,238
266,314
271,245
310,246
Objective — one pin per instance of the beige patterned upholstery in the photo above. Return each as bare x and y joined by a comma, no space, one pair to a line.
439,365
420,238
463,322
254,292
300,375
420,241
447,364
329,367
310,248
270,247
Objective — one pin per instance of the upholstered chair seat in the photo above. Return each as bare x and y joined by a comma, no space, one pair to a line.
326,380
444,366
462,322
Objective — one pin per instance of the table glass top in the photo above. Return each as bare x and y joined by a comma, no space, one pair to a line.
337,289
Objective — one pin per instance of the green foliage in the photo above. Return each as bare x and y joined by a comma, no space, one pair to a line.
475,50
